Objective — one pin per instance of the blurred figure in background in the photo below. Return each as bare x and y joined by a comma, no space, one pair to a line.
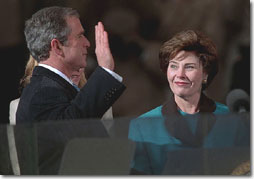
31,63
241,70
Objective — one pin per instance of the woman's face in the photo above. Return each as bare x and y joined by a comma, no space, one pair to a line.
76,76
185,74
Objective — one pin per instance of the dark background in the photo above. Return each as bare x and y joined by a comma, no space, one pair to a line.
137,28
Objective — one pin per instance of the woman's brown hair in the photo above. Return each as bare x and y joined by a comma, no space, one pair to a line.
195,41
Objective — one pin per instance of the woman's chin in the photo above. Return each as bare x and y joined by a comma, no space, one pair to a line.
182,94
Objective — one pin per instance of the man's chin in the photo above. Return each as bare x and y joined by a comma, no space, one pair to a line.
83,65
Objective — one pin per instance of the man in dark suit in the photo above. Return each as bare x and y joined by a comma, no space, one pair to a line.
55,38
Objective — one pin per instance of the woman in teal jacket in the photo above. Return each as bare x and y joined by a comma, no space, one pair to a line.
188,119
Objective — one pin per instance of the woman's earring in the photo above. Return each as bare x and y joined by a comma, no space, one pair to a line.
204,81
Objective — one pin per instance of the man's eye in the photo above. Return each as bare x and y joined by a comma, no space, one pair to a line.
81,35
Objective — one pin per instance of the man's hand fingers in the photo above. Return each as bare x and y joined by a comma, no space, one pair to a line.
105,39
102,50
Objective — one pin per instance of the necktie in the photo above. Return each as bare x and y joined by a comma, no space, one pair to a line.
76,87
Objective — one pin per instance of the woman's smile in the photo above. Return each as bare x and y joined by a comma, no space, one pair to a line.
182,84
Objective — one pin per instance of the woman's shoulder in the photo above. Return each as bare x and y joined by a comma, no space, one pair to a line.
14,104
13,110
221,108
156,112
147,117
149,127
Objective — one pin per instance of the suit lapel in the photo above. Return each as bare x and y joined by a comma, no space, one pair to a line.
178,126
41,71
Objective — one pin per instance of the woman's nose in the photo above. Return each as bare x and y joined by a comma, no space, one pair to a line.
180,72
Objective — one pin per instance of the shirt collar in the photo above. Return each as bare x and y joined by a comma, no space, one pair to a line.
57,72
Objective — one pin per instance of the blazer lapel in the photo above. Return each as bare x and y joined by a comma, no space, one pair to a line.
41,71
178,126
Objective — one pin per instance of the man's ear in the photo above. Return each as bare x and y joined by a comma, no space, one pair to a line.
57,47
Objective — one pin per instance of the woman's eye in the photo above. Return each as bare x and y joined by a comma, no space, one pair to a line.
173,66
189,67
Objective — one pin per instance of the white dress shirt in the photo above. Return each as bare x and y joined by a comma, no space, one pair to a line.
116,76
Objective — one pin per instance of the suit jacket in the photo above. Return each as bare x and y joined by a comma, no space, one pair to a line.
50,97
107,121
107,118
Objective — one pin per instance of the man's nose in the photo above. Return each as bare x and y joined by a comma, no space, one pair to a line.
86,42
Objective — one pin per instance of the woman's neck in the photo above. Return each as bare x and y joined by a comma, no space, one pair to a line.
188,104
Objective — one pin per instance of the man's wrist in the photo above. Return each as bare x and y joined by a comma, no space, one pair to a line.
115,75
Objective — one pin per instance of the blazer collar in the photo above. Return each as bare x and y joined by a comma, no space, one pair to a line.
42,71
56,71
178,127
206,105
